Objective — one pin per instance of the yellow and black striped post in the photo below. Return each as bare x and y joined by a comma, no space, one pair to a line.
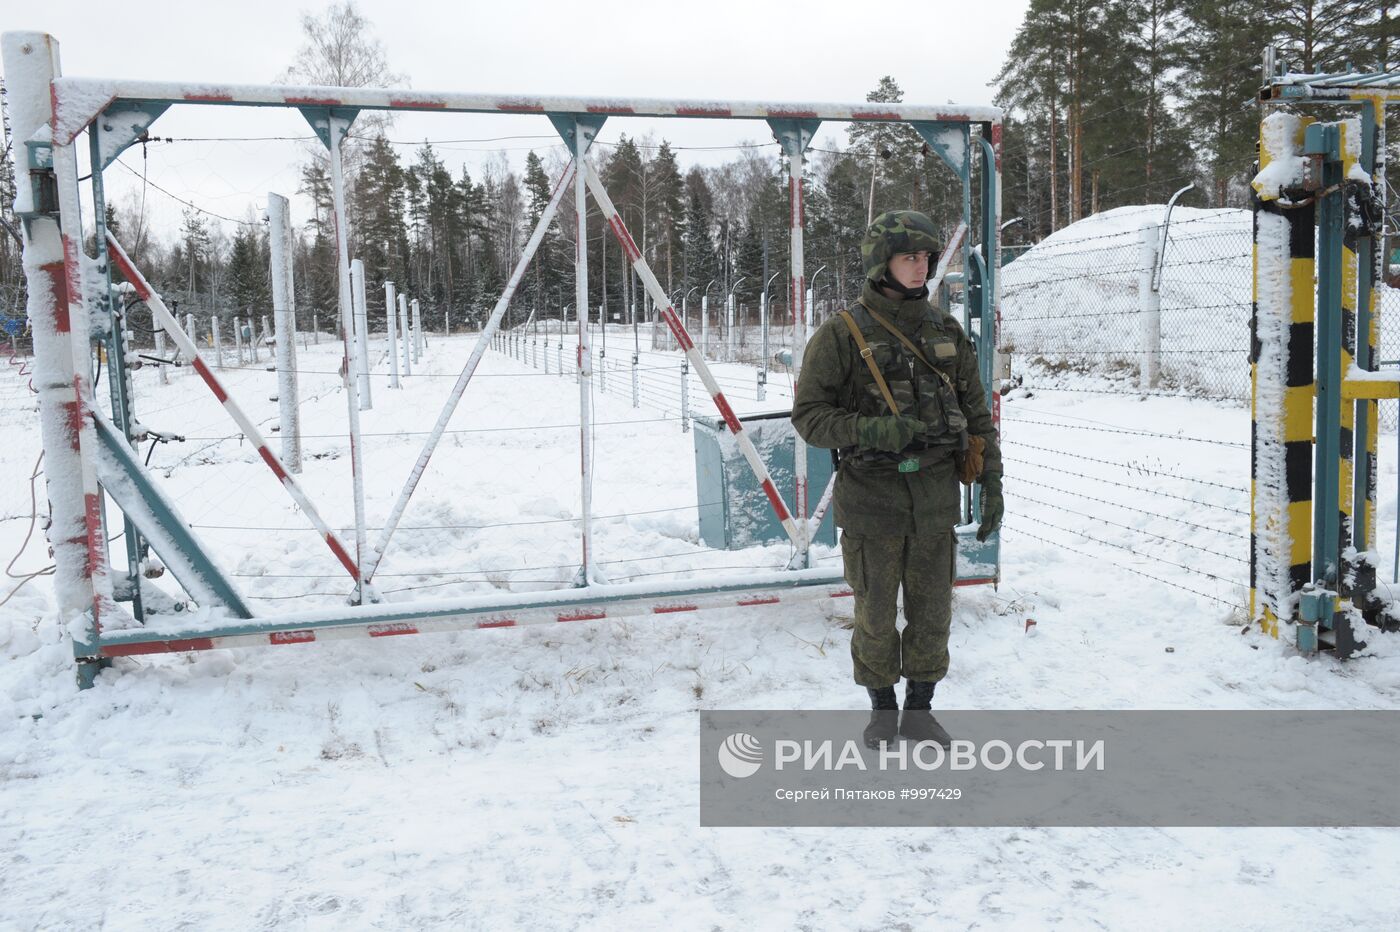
1281,375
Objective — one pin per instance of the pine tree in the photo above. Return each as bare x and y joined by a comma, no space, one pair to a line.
248,284
1220,80
1031,82
545,281
669,198
379,234
888,153
194,241
699,263
624,174
1320,36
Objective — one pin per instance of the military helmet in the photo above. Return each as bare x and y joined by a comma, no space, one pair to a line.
897,231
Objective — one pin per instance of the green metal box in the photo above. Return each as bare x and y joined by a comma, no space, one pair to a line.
734,512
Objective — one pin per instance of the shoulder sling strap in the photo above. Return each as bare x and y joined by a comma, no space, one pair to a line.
868,355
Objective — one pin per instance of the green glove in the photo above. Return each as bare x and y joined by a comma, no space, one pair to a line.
993,508
889,433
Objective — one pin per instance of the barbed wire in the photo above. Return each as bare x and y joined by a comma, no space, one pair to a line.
1121,430
1143,511
189,204
1118,314
1137,392
1131,467
1012,527
1125,485
1155,559
1126,527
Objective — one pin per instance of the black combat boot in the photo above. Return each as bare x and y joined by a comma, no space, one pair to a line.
884,719
917,722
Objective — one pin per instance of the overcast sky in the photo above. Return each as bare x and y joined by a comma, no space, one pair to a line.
715,49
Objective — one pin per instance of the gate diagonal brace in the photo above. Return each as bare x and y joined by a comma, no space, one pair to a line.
159,522
191,352
629,247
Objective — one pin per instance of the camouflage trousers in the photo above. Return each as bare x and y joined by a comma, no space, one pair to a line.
876,566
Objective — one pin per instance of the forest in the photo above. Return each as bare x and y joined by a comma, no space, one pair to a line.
1107,104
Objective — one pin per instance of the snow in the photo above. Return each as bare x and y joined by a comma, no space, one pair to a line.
1283,162
546,776
1275,315
84,97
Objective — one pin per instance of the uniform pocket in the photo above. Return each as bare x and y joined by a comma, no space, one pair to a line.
853,561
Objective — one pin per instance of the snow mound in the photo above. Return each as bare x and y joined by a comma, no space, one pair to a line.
1072,301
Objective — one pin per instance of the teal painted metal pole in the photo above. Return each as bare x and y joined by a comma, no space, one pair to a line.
991,248
118,378
1323,139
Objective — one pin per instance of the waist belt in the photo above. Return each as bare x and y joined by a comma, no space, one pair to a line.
881,461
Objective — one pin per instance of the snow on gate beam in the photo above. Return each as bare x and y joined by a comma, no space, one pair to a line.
565,605
85,98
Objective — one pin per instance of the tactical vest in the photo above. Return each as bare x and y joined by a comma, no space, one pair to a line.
930,397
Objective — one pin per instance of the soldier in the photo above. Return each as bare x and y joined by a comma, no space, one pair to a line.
903,437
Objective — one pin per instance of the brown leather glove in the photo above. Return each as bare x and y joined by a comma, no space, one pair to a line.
970,460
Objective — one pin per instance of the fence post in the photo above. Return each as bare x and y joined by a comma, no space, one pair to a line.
636,383
685,396
284,315
403,326
761,394
729,345
705,325
218,345
360,315
315,329
417,330
252,339
393,334
160,351
238,341
1149,307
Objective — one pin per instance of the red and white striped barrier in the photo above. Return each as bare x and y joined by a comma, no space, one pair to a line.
795,532
446,620
167,320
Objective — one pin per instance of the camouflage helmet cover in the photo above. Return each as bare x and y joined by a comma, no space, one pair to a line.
896,231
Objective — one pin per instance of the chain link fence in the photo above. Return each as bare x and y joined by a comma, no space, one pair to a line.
1078,305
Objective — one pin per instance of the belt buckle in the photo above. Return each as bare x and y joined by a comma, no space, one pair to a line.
909,465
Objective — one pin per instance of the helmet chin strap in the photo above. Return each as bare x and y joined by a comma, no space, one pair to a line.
909,294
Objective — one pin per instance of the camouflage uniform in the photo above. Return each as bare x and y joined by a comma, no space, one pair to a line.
897,527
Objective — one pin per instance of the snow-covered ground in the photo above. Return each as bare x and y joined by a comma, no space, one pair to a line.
546,777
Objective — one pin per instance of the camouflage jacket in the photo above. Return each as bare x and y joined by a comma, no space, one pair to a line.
835,388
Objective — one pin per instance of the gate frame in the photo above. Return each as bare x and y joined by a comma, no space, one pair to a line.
71,308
